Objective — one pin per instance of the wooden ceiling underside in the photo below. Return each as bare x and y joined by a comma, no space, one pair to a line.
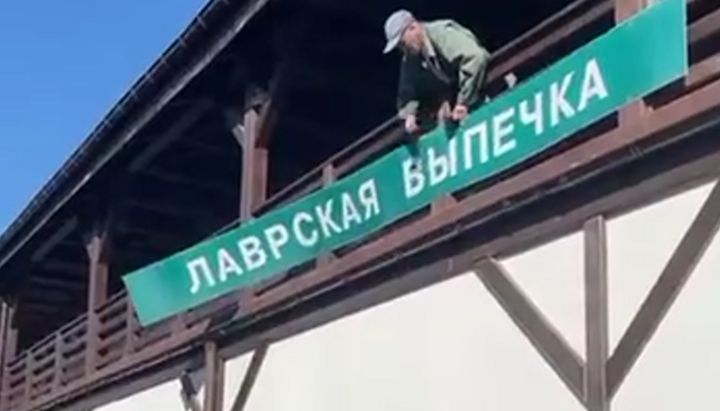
181,184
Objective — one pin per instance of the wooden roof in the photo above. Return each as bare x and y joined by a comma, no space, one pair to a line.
165,156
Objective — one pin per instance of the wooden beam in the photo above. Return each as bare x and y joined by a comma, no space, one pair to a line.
637,109
9,345
214,373
596,315
248,382
98,250
194,182
185,209
47,281
328,177
199,145
59,266
314,78
290,38
254,178
98,253
54,239
546,339
176,131
267,118
11,342
673,278
55,297
4,329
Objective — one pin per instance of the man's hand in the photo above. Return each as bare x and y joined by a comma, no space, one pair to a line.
444,112
411,123
459,112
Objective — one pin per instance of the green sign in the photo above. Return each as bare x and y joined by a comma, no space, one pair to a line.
631,60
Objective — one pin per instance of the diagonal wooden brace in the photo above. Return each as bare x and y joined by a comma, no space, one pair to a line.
543,336
251,375
676,273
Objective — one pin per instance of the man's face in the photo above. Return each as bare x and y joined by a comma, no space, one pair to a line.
412,38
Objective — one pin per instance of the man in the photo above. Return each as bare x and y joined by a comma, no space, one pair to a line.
443,68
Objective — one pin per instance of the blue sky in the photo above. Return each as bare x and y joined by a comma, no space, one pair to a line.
63,64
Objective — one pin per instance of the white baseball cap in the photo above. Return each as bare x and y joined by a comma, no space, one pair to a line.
395,25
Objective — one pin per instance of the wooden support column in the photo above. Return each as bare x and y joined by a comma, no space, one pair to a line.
11,339
254,174
328,177
214,378
98,249
596,315
4,329
635,110
262,107
29,380
255,163
9,346
6,314
596,381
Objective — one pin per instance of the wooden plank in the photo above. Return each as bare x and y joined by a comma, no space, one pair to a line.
596,315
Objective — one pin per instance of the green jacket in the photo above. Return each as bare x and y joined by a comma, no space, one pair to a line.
451,66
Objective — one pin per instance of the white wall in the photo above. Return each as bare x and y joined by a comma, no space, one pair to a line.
451,347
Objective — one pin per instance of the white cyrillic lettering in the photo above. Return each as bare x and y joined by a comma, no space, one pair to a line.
593,85
503,127
349,211
467,148
453,157
438,166
413,178
252,252
199,269
558,102
533,114
277,236
479,132
325,219
306,240
367,193
227,265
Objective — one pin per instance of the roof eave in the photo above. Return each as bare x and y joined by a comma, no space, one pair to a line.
82,164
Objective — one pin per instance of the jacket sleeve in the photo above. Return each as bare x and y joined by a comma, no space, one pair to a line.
407,102
461,48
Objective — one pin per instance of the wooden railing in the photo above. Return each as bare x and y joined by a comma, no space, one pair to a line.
61,359
58,364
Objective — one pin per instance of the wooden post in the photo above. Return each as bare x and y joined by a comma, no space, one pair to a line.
98,249
10,341
328,176
4,332
596,316
635,110
245,129
214,381
254,160
9,348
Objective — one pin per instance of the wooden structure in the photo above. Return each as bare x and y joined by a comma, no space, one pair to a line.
241,116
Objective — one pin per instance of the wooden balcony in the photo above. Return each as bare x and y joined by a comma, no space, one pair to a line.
80,358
